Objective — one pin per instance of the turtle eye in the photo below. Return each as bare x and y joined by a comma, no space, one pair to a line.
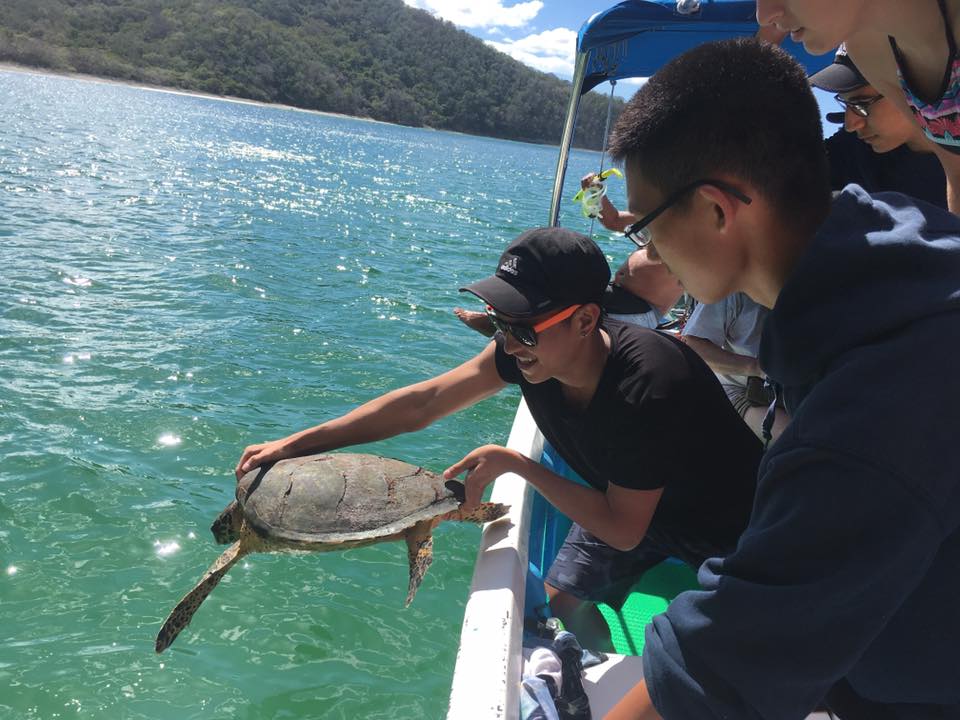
458,489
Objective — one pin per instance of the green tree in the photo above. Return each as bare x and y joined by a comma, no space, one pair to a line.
374,58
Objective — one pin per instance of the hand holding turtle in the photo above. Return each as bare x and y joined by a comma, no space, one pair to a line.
260,454
483,466
289,508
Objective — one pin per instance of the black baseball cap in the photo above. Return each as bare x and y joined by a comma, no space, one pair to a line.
545,269
841,76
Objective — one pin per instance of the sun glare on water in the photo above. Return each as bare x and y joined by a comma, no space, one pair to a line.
166,548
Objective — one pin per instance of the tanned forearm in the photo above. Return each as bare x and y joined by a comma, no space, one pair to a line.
635,705
588,507
400,411
613,219
723,361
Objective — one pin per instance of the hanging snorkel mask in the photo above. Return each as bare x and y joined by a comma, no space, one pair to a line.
591,197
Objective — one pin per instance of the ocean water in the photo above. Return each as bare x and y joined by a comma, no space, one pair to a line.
184,276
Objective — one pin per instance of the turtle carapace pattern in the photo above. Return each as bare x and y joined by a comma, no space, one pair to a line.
329,502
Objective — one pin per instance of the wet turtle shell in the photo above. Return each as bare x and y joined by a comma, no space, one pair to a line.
330,502
340,497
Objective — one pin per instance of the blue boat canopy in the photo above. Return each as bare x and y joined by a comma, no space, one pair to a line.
634,38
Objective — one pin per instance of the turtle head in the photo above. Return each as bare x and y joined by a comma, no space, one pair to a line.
226,528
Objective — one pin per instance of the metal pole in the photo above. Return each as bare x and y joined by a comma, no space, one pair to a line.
579,71
606,127
606,134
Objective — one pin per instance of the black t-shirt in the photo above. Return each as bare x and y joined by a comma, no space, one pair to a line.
919,175
658,418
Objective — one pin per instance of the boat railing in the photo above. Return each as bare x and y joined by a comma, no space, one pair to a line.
492,624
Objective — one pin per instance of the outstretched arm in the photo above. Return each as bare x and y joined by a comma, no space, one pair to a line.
610,217
404,410
613,219
620,516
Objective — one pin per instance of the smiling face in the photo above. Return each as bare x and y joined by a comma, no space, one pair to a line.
821,25
555,349
885,128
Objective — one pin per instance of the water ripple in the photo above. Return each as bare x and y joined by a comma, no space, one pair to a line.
183,277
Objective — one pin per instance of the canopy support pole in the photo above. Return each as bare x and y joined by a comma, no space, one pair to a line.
570,121
606,127
603,149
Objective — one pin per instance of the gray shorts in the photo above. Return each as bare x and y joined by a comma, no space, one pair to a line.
589,569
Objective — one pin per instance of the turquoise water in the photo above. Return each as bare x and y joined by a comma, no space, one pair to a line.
184,276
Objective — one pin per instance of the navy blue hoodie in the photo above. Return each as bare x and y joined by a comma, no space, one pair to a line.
849,571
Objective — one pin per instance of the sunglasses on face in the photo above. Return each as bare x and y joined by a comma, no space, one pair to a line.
527,334
639,234
860,107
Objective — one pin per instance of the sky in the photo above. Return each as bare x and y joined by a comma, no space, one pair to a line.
538,33
542,34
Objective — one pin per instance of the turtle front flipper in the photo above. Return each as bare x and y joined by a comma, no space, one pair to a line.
180,616
420,553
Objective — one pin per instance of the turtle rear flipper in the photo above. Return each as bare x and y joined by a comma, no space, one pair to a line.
420,554
180,616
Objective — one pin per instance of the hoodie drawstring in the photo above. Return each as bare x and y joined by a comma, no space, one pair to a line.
771,415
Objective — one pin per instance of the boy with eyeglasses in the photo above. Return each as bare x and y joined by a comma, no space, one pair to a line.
671,468
879,148
844,585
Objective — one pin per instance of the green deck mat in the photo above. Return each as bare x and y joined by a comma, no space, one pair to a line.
649,597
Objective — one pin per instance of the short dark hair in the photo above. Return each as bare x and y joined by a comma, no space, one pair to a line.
740,107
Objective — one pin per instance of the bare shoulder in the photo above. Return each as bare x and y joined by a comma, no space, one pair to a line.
873,56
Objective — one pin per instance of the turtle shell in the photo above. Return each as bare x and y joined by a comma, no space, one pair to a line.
340,497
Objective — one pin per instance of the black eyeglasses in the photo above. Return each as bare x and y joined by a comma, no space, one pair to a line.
527,334
859,106
639,234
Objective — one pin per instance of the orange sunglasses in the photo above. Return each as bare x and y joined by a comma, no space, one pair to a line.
526,334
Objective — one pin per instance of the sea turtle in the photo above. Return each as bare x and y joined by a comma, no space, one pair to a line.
330,502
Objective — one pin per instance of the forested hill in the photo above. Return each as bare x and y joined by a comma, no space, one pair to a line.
370,58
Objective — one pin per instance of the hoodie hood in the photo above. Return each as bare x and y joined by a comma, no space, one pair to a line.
878,263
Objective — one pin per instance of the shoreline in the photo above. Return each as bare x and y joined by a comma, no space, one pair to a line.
50,72
6,66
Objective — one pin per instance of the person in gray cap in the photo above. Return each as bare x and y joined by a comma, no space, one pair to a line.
879,147
613,399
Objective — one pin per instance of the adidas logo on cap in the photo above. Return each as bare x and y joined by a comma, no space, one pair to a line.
510,266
